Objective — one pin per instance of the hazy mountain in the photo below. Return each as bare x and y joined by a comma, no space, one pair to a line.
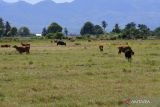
73,15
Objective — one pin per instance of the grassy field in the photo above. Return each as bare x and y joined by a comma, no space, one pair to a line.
79,75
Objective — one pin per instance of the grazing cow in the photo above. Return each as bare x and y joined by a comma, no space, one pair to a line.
123,48
101,48
128,54
61,43
127,51
22,49
6,46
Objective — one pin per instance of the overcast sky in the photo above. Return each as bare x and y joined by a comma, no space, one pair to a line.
35,1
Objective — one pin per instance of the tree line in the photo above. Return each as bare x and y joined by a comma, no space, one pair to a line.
130,31
6,30
56,31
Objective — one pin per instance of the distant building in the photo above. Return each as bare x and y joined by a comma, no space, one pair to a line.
38,35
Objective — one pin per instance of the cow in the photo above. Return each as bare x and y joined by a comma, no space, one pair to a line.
6,46
61,43
22,49
101,48
127,50
128,54
123,48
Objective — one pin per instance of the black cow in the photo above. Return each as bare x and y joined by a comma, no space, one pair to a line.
128,54
61,43
6,46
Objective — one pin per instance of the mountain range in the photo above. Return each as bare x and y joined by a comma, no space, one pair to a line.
74,14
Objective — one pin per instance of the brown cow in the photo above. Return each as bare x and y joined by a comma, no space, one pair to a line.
101,48
22,49
123,48
127,51
6,46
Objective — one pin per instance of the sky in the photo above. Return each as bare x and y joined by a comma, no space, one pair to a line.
35,1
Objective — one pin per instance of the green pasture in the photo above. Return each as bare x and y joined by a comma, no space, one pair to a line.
79,75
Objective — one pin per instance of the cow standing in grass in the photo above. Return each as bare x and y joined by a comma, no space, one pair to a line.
61,43
128,54
22,49
101,48
127,50
6,46
123,48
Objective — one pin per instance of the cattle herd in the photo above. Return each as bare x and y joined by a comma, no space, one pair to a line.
127,51
25,48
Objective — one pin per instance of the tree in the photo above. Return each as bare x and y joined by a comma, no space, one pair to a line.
13,31
104,25
98,30
116,29
66,31
7,28
143,31
1,27
54,28
44,32
58,35
24,31
157,31
130,31
88,28
50,36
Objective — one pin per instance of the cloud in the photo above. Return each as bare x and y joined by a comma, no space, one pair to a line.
36,1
